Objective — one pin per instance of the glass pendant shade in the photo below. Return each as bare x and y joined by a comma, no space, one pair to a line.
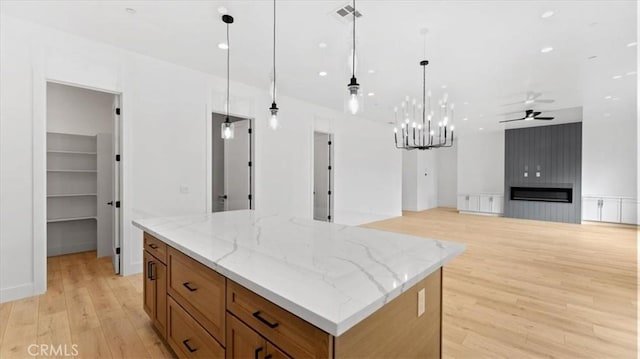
273,118
227,130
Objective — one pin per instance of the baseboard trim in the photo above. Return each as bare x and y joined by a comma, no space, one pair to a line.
17,292
481,213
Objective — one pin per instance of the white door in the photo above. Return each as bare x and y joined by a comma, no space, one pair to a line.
105,193
462,203
321,176
236,168
610,210
485,203
496,204
474,203
629,209
115,188
590,209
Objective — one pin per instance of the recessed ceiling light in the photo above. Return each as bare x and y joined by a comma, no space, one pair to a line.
608,97
322,45
481,115
222,10
371,94
481,129
371,71
632,44
547,14
544,50
607,115
615,77
130,10
465,103
615,98
631,73
592,57
444,86
464,119
322,73
223,46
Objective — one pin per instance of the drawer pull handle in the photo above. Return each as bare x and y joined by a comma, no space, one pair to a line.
268,356
186,344
191,289
260,318
257,353
153,246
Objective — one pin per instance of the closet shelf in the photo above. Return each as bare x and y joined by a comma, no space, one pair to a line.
73,152
73,171
69,219
62,195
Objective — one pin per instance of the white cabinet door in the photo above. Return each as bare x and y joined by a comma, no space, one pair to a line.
610,210
474,203
590,209
462,202
486,203
629,211
496,204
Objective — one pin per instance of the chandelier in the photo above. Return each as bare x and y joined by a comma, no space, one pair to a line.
430,133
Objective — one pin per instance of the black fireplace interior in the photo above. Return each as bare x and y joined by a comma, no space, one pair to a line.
542,194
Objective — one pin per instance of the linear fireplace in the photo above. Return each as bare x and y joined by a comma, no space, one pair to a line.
542,194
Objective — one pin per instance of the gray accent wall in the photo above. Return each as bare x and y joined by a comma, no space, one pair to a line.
557,152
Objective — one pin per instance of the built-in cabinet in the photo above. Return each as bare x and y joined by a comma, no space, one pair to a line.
484,203
610,209
155,284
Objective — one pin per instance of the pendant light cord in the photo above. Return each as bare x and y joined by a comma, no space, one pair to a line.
228,56
274,51
353,56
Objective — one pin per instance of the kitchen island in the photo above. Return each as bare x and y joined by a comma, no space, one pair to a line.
249,284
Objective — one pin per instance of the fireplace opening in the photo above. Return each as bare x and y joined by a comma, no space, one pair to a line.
542,194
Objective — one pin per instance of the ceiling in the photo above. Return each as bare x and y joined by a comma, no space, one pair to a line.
486,53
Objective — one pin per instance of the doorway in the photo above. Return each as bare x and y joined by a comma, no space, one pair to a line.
323,176
232,165
82,172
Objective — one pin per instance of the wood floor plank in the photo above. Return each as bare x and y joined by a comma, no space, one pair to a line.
22,328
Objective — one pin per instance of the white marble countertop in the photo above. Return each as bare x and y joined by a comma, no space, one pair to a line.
330,275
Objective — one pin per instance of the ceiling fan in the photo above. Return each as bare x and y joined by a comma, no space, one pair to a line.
530,115
532,98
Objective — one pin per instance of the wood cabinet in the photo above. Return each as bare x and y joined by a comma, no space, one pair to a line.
202,314
155,291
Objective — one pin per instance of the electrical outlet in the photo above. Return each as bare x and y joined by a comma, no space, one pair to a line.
421,302
184,189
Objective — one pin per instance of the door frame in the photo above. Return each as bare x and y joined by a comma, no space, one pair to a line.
39,139
209,158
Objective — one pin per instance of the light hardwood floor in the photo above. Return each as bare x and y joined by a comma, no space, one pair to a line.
521,289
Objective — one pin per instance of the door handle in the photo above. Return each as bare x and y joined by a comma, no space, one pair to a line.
186,344
110,203
257,353
151,265
224,196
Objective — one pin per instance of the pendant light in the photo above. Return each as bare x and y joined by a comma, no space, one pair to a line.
273,120
226,128
353,86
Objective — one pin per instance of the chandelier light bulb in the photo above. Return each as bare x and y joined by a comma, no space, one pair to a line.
395,130
446,119
406,120
273,122
395,109
431,133
403,125
414,125
227,133
452,128
440,124
420,127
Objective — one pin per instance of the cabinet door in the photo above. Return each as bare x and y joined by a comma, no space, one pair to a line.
590,209
485,203
242,341
474,203
149,289
610,210
274,353
159,277
629,209
462,202
496,204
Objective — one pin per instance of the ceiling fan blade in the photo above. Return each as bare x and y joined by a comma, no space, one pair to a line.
536,113
509,113
545,101
517,119
544,118
513,104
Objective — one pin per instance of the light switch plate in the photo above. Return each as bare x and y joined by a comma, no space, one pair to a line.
537,174
526,174
184,189
421,302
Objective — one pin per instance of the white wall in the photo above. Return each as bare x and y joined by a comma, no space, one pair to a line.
410,180
166,144
481,162
78,111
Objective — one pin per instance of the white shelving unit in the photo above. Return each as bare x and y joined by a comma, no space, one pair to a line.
71,193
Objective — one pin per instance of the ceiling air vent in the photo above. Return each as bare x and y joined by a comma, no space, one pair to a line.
345,13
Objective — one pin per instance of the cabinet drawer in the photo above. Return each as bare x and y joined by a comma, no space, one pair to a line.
154,246
187,338
200,290
294,335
